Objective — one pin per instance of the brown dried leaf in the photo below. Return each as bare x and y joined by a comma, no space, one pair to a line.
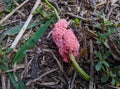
82,53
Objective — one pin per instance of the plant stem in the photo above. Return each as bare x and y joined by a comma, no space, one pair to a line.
20,34
72,58
77,67
52,7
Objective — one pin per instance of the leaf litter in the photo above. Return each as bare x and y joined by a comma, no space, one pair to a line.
96,25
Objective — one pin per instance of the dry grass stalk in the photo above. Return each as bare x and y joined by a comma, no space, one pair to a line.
11,13
18,37
3,82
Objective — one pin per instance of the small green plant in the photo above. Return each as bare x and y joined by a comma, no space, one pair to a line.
102,37
109,74
102,63
5,65
43,13
104,67
77,22
10,6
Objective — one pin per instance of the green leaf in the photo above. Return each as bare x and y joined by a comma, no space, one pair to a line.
77,21
12,79
5,59
101,37
98,66
106,44
3,67
17,84
8,50
98,41
117,80
10,74
20,82
31,42
106,55
14,30
105,35
105,78
44,13
108,23
99,55
97,26
118,24
111,30
1,27
1,49
116,70
113,82
112,74
105,64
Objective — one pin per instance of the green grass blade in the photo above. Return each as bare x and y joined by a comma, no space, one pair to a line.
3,67
12,79
10,74
14,30
17,84
20,82
31,42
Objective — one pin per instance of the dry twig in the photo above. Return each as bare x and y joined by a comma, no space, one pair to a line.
17,4
26,24
76,16
61,68
8,84
34,80
3,82
10,14
91,85
73,81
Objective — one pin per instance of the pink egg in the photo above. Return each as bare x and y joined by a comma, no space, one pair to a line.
65,40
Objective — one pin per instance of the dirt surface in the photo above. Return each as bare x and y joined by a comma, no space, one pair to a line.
43,67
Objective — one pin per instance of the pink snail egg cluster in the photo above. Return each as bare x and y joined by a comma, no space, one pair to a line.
65,40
